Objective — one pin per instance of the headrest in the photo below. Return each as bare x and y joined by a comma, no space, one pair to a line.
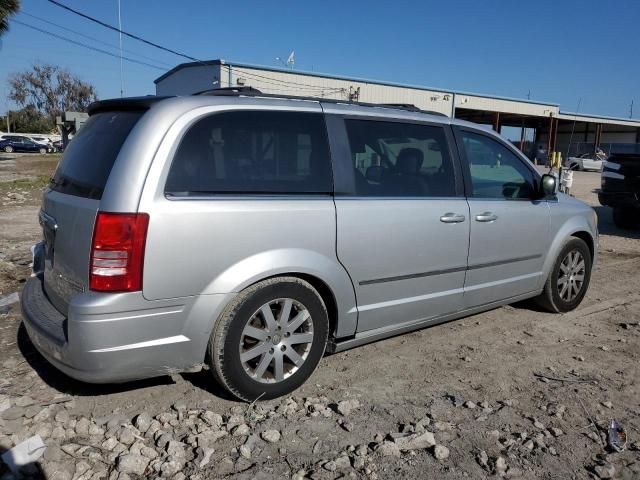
409,161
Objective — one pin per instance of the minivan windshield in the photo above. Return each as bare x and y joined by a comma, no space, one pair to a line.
89,158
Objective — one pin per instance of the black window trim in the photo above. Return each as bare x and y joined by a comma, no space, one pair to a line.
466,171
231,195
341,153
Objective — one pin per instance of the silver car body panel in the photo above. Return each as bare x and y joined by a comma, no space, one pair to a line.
391,265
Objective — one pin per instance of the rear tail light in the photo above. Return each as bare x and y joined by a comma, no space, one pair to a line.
117,252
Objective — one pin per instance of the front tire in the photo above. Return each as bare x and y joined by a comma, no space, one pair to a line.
43,151
569,278
270,339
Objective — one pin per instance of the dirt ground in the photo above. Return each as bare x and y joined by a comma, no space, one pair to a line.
512,392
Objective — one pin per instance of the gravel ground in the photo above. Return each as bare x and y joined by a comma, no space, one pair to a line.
513,392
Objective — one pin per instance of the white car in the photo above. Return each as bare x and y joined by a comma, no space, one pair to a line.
586,161
45,142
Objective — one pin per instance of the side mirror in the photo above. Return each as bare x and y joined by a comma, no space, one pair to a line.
548,185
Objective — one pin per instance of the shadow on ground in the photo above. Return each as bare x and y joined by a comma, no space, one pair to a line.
64,384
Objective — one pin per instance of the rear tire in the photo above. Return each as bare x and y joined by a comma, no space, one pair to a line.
627,218
8,149
286,321
569,278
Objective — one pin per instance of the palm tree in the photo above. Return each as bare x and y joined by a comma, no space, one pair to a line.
7,8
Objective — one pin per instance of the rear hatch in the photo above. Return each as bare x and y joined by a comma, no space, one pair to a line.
621,173
71,202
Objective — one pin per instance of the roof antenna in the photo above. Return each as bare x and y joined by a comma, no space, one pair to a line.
291,60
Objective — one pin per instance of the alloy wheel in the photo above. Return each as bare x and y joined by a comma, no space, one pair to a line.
571,275
276,340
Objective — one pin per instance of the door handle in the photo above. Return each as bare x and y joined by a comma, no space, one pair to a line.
450,217
486,217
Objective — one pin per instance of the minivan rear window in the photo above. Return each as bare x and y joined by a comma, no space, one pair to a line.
253,152
89,158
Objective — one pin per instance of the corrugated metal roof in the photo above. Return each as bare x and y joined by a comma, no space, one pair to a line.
341,77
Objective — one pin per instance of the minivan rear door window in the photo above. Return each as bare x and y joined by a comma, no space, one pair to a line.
249,152
89,158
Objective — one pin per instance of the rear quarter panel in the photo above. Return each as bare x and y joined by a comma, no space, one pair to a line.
222,244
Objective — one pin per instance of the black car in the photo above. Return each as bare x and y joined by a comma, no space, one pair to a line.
15,143
621,188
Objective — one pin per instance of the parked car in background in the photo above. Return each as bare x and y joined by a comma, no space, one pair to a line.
44,141
620,189
255,234
16,143
587,161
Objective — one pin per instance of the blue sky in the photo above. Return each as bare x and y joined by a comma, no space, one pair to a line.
560,51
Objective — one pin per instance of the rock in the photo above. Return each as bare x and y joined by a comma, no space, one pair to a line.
500,465
442,426
13,413
388,449
44,430
163,439
241,430
82,427
109,443
538,424
330,466
176,449
556,432
212,419
528,445
132,463
126,436
607,404
271,436
345,407
245,451
142,422
171,467
556,409
62,416
483,459
579,358
148,452
469,404
441,452
207,439
605,471
95,430
342,462
418,441
204,457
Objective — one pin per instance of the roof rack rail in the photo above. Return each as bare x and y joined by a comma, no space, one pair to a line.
230,91
254,92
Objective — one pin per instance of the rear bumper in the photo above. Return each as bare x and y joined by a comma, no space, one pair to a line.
119,337
619,199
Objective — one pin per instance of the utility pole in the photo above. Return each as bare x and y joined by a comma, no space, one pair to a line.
631,109
120,33
529,95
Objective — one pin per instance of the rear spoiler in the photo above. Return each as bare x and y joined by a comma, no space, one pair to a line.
131,104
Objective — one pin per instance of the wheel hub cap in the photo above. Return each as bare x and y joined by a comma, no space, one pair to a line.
276,340
571,275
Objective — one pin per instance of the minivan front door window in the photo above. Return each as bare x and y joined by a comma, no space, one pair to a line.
495,171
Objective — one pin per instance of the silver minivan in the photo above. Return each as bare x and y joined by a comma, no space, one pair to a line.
249,235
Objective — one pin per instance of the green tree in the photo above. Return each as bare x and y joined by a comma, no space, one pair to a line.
29,120
50,90
7,9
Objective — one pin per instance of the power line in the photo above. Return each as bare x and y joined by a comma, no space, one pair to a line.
284,83
131,35
89,37
95,49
